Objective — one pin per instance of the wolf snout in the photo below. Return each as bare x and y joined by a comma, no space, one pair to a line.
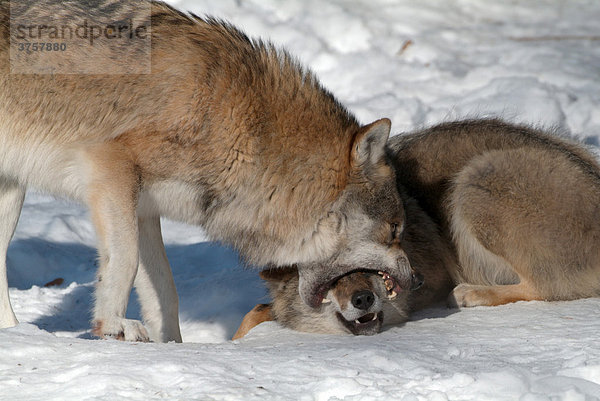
416,278
363,299
416,281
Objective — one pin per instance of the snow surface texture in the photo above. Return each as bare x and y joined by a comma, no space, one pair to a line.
418,63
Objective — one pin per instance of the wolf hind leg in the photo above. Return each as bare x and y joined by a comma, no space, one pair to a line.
11,202
154,284
468,295
486,279
497,220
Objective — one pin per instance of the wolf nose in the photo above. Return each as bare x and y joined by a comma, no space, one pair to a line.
417,281
363,299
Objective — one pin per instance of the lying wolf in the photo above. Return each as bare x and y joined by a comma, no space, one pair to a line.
225,132
518,207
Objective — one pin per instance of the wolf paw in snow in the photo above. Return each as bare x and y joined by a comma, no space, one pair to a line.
121,329
467,295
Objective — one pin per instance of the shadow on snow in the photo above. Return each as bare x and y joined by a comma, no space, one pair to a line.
212,284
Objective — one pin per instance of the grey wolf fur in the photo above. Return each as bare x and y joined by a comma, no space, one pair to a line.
227,133
518,207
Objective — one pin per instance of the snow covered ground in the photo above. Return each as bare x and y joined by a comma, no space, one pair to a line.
418,63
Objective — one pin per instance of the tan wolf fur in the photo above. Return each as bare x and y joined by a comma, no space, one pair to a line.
345,313
227,133
260,313
518,206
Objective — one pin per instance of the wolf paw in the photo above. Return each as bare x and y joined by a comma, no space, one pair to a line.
468,295
120,329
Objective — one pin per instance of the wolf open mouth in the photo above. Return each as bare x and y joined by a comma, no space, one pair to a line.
391,285
368,324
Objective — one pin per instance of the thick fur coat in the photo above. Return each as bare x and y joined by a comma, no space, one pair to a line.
225,132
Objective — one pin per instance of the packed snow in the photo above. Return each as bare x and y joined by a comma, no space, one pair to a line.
417,63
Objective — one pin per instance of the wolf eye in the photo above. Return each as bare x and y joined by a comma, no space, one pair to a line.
395,229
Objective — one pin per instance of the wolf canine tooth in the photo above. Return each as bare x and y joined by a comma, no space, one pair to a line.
326,301
392,295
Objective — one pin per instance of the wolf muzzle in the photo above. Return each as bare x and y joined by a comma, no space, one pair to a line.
316,279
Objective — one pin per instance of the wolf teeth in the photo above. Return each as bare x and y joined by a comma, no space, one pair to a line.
389,284
358,321
326,301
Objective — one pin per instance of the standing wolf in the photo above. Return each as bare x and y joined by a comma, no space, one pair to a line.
226,132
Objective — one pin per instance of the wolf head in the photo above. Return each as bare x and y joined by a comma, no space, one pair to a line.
332,207
358,303
366,223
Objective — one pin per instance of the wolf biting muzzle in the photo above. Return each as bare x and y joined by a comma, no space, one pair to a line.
362,302
371,220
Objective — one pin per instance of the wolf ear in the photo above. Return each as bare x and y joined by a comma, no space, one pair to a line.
278,274
369,143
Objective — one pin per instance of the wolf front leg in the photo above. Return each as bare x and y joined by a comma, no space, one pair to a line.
113,185
154,284
11,201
